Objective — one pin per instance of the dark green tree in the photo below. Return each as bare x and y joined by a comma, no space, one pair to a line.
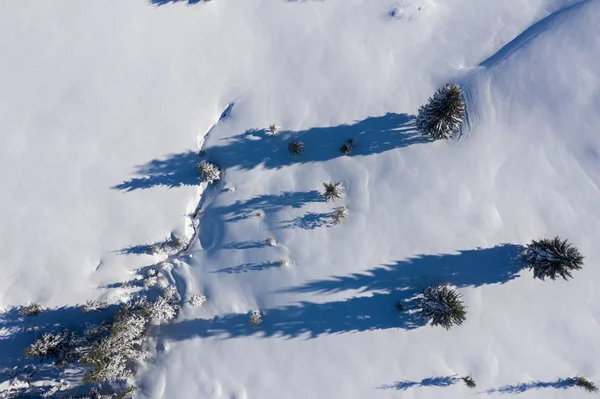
443,306
552,258
442,116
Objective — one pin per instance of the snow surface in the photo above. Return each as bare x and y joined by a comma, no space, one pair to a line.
104,105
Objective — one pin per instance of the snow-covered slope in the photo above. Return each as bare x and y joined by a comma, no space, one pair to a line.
105,104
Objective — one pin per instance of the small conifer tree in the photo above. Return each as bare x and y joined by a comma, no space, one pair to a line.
347,147
272,130
208,171
333,191
296,147
443,306
552,258
584,383
469,381
442,116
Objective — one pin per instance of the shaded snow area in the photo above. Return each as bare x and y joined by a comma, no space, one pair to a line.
107,108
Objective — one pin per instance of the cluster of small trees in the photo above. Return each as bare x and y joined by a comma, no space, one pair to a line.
112,348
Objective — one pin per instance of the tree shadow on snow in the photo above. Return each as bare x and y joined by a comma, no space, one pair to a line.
174,171
385,286
248,150
268,203
427,382
248,267
188,2
526,386
372,135
309,221
21,331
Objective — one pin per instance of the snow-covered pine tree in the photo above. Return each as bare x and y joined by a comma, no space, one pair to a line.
162,309
208,171
59,347
111,358
552,258
197,300
443,306
442,116
333,191
272,130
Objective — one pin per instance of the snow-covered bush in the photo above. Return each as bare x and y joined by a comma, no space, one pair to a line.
170,293
111,358
94,306
283,263
271,241
151,278
162,310
347,147
552,258
172,244
333,191
255,318
443,306
339,213
197,300
59,347
442,116
208,171
272,130
177,243
469,381
296,147
32,309
583,383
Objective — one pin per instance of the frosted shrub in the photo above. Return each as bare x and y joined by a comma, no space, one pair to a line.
272,130
255,318
150,281
94,306
58,347
110,359
32,309
339,213
552,258
469,381
443,306
583,383
347,147
271,241
333,191
442,116
176,243
161,310
169,293
296,147
197,300
208,171
283,263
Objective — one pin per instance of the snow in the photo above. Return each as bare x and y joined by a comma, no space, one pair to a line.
105,105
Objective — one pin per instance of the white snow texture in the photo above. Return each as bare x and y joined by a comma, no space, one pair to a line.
105,106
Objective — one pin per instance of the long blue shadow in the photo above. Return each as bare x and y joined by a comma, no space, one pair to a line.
403,281
371,136
427,382
526,386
